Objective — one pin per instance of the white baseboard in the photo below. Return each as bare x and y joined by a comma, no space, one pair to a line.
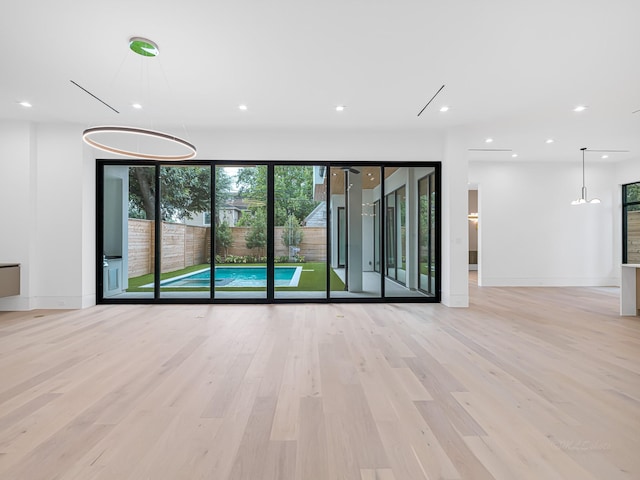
550,282
455,301
21,303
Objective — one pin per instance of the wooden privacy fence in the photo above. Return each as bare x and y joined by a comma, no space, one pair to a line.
186,245
182,246
313,247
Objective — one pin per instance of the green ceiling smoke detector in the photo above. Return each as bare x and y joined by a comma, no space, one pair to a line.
144,46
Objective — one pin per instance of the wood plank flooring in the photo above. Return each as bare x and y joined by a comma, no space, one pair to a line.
528,383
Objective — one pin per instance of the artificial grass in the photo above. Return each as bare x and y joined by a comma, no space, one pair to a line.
135,283
312,279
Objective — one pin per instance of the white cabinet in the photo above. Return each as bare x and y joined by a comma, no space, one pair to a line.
112,279
630,289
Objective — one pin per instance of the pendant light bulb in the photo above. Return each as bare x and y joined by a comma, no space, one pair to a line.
583,192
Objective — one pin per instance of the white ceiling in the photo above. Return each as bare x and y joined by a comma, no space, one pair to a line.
513,70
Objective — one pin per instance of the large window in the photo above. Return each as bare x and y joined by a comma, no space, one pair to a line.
631,223
205,231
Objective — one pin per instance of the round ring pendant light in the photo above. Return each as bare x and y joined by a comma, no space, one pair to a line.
91,132
146,48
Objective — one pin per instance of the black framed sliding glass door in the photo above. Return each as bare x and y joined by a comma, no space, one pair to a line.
185,202
241,239
300,232
241,231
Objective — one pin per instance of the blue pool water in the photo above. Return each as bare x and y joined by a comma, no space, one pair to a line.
237,277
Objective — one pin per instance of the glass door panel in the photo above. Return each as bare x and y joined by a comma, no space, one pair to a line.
240,226
300,231
185,204
376,236
354,193
401,235
426,243
390,236
128,231
408,232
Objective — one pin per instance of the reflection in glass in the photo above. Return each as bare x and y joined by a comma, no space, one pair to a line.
128,230
354,191
631,223
426,238
409,232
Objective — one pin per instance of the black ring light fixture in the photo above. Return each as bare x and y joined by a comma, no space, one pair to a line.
86,136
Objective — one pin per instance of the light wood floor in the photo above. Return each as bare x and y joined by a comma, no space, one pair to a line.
528,383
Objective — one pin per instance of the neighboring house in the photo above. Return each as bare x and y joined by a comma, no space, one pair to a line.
319,187
202,219
317,217
230,213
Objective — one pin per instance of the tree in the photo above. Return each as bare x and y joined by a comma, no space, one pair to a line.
292,234
633,192
293,189
256,238
185,191
224,237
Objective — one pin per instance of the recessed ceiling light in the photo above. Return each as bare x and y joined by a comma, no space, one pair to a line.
26,104
549,140
488,140
605,156
242,107
340,108
444,108
580,108
137,106
514,155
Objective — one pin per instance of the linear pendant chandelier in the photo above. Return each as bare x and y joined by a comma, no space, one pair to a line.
583,193
145,48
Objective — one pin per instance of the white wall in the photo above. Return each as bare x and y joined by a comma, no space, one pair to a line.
319,145
530,234
47,193
47,197
455,235
627,172
18,206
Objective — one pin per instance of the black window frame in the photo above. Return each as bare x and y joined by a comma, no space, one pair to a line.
270,298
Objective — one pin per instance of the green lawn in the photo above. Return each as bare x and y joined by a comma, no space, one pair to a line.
312,279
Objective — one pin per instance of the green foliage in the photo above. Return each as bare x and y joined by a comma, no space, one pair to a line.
292,234
256,238
185,191
224,237
293,189
632,192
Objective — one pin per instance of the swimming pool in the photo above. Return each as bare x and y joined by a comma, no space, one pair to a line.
236,276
